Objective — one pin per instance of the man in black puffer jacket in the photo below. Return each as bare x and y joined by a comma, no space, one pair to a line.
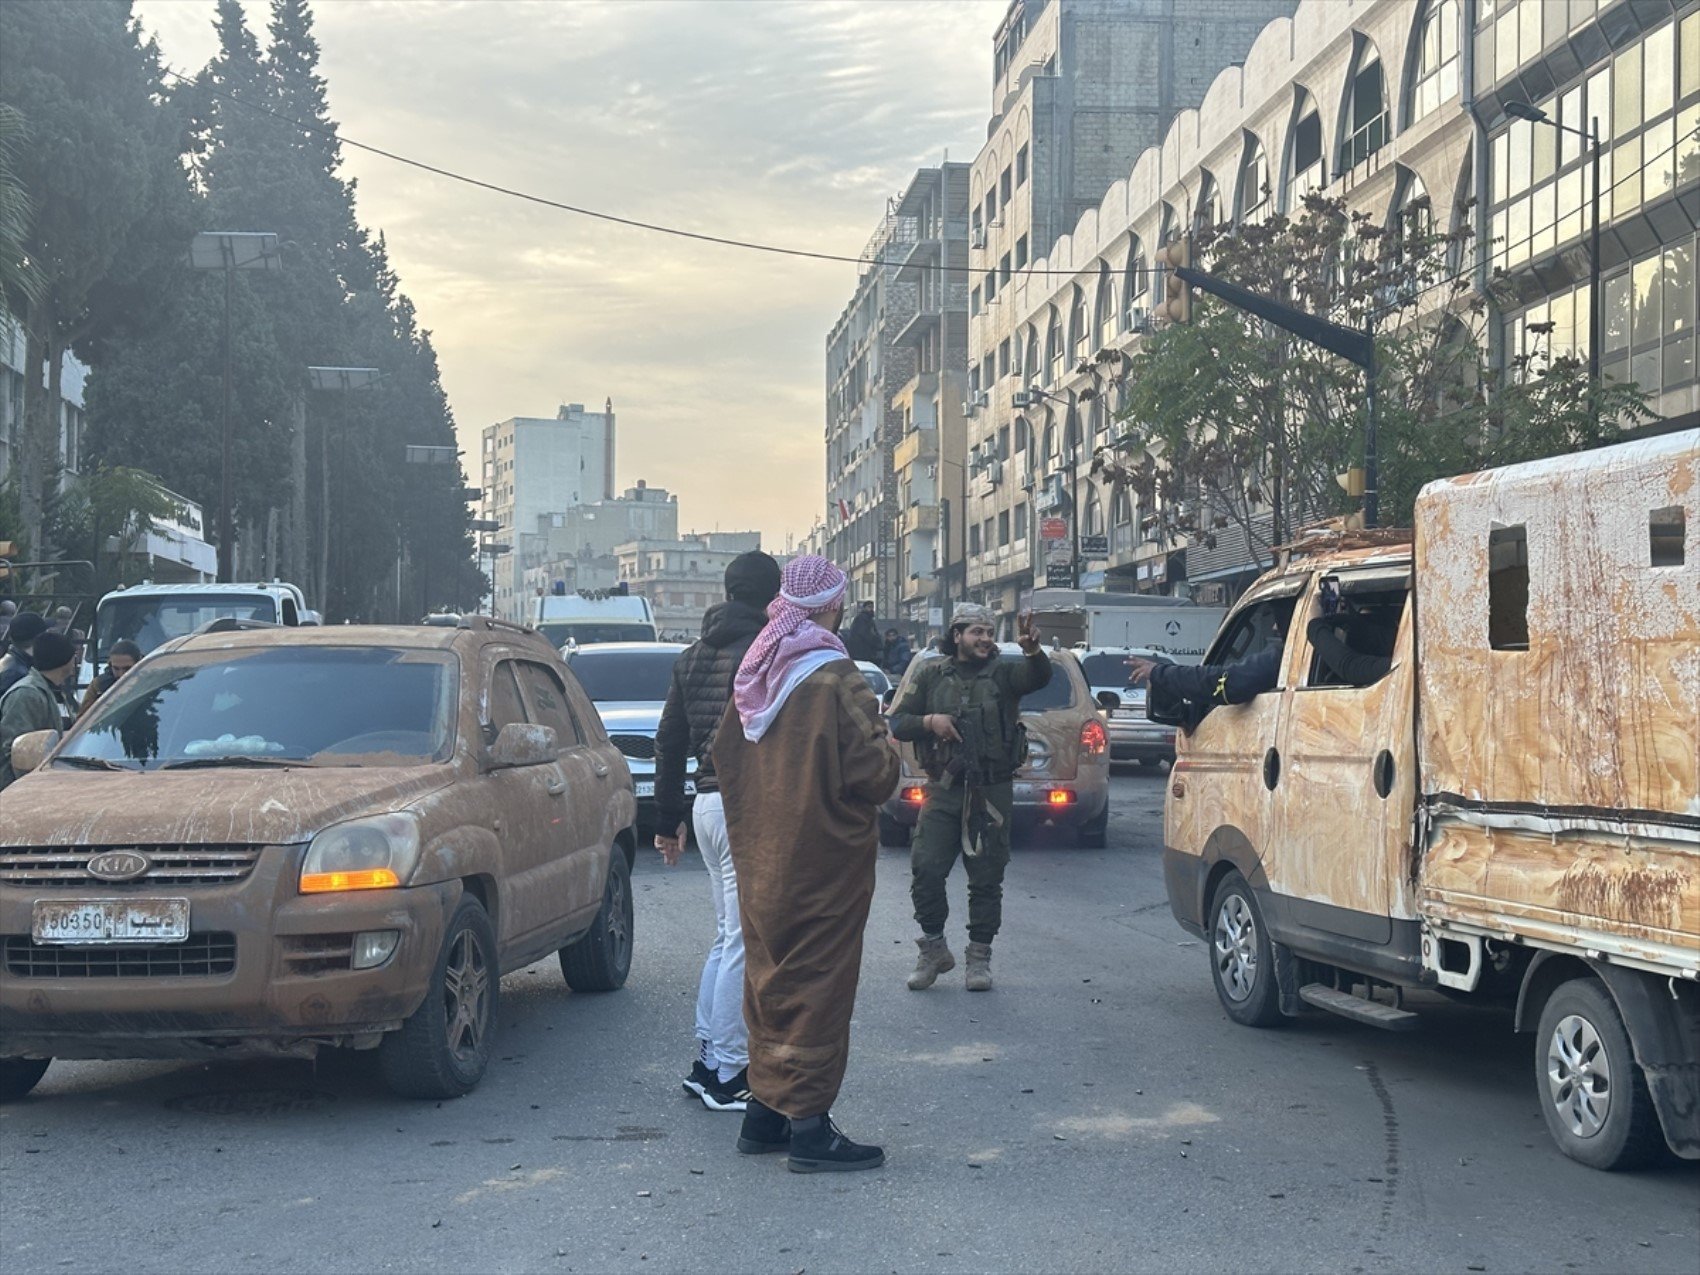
696,701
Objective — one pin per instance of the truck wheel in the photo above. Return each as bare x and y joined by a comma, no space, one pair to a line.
600,961
1593,1095
893,833
1241,960
19,1075
442,1050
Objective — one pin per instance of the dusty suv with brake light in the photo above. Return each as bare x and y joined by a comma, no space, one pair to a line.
1066,781
267,840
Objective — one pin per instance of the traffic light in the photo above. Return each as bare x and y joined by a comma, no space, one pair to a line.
1177,303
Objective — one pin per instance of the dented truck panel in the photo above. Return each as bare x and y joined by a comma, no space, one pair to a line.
267,970
1559,722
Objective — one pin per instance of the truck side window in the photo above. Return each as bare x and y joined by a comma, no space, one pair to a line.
1370,625
1247,632
1508,588
1665,528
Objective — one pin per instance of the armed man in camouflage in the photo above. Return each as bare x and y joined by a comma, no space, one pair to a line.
963,713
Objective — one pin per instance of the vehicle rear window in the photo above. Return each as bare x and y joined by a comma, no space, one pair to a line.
585,632
1105,670
151,620
641,676
1057,693
328,706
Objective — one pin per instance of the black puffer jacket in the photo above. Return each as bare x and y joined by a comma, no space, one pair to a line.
702,684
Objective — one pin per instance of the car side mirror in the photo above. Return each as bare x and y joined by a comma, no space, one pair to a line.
1109,701
887,699
523,744
29,751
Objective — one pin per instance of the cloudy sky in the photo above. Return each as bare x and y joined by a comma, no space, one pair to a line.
781,121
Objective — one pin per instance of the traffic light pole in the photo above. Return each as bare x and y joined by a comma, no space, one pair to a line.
1351,344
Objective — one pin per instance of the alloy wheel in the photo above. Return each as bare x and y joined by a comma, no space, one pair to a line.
466,996
1235,943
1579,1076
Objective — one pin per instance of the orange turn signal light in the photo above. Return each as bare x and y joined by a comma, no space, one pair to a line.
365,879
915,796
1060,797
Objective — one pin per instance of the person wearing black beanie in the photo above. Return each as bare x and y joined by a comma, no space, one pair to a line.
22,634
33,702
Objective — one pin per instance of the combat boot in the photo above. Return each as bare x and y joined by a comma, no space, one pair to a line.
935,959
979,967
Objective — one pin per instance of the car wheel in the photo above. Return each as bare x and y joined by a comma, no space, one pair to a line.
1095,835
19,1075
893,833
600,961
1242,963
442,1050
1593,1094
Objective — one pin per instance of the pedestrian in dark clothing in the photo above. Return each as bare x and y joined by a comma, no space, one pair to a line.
696,703
33,702
123,657
862,639
1186,692
963,713
8,609
1341,640
897,653
17,661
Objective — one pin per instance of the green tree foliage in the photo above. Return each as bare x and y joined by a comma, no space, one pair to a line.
1232,422
18,278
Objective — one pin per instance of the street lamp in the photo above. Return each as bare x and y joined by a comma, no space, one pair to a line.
1535,115
230,251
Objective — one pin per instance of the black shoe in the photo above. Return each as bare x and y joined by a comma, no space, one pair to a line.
764,1130
817,1146
727,1095
700,1078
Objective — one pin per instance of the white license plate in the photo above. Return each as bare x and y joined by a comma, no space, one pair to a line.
82,921
644,788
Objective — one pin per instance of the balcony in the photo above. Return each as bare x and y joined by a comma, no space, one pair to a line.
917,446
920,258
917,520
928,315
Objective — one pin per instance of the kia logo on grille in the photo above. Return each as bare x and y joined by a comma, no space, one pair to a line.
119,865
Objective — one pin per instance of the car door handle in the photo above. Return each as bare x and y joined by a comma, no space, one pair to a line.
557,787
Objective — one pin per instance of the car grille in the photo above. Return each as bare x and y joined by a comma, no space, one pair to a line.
641,747
168,865
198,956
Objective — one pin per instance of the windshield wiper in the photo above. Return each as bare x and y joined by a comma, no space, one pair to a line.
91,763
233,759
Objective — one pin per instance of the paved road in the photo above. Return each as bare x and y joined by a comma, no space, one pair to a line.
1097,1112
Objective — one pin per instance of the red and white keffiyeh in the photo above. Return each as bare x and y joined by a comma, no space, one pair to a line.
792,645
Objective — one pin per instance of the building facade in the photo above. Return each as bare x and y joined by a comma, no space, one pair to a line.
682,578
575,548
535,467
1384,103
72,420
1080,88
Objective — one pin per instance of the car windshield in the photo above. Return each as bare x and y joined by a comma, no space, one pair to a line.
309,705
1105,670
584,632
152,621
639,676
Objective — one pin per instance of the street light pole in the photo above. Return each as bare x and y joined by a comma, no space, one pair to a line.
227,433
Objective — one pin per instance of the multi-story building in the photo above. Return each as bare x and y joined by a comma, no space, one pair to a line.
682,578
931,439
1385,104
574,549
534,467
1079,89
72,421
865,369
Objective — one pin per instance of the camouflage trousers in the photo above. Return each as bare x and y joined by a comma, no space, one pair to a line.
939,841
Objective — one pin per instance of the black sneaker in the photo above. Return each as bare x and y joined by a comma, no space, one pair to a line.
818,1146
764,1130
728,1095
700,1078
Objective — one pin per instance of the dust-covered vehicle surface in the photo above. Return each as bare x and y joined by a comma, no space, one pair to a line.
267,840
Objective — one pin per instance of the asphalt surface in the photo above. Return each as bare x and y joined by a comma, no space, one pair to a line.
1096,1112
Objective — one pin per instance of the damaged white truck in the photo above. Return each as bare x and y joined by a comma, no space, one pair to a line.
1510,811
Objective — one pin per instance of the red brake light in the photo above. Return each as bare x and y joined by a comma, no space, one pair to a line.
915,796
1094,739
1060,797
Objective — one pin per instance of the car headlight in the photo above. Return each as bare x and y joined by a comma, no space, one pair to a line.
376,853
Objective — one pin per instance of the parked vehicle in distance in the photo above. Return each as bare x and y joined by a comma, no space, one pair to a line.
1066,781
628,683
152,614
574,619
442,620
1506,814
878,680
1133,735
287,839
1176,627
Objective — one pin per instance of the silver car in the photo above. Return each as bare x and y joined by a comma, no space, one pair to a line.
1133,736
628,683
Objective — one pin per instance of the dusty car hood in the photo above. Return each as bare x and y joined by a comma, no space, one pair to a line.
272,807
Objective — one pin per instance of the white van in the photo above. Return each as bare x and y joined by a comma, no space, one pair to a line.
152,614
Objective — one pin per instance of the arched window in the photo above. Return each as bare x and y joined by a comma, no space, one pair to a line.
1169,232
1054,349
1411,217
1071,437
1133,285
1304,166
1030,365
1021,435
1463,249
1106,307
1363,115
1208,211
1252,192
1121,522
1078,331
1050,456
1433,75
1093,523
1096,420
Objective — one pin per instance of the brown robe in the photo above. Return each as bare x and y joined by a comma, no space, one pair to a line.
802,812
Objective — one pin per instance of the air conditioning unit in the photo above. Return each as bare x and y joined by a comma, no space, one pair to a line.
1024,398
1139,319
994,472
977,237
981,399
968,406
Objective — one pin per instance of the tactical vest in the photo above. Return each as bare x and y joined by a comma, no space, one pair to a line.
988,719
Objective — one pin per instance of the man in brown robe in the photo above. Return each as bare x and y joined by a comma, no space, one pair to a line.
802,799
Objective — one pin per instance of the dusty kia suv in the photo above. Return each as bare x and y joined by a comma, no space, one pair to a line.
267,840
